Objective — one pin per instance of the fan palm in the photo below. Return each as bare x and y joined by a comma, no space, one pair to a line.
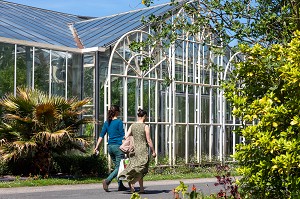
36,126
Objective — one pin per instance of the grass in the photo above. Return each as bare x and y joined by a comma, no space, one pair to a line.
71,181
153,175
30,182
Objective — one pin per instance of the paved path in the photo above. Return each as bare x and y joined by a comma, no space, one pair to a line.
154,190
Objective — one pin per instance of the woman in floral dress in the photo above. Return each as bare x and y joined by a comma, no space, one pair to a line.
138,164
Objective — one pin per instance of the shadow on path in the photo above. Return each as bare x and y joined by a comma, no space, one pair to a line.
150,192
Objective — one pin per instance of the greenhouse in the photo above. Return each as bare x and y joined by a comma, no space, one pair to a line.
68,55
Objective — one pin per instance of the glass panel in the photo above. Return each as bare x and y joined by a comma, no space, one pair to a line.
7,62
204,109
180,108
88,78
162,152
41,69
131,99
163,106
58,80
192,144
215,106
205,142
116,93
180,143
103,64
216,143
74,75
147,98
24,66
228,142
192,108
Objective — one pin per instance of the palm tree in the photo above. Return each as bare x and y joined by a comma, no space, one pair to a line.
36,127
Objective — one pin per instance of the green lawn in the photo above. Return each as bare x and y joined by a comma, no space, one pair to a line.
69,181
153,175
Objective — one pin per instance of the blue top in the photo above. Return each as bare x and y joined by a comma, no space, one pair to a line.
115,131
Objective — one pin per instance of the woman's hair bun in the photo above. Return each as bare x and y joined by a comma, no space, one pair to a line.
141,112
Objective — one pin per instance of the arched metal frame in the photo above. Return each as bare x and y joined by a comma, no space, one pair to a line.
187,63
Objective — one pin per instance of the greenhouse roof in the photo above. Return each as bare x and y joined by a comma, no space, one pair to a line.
26,23
36,25
103,31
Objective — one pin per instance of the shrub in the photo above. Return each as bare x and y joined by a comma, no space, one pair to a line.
3,168
268,103
81,165
35,127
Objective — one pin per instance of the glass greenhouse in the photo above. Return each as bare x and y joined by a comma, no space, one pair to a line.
80,56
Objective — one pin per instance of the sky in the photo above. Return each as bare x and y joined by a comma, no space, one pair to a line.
92,8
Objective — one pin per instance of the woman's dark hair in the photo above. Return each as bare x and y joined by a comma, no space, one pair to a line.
112,112
141,113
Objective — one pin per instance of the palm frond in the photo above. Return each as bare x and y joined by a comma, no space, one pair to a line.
24,146
17,149
82,141
60,102
2,141
38,97
80,144
20,103
23,93
46,112
75,104
55,138
10,135
18,118
9,156
8,104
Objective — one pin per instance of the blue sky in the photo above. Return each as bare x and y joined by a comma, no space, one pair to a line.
94,8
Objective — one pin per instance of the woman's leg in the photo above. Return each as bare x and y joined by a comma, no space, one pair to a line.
116,155
132,190
141,183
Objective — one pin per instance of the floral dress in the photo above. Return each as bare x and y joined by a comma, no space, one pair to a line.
138,164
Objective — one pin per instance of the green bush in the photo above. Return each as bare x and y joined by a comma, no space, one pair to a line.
27,167
76,165
268,101
80,165
3,168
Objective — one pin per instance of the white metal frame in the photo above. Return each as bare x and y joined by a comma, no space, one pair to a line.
199,84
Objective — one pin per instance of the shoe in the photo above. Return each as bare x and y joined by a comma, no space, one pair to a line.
123,188
105,185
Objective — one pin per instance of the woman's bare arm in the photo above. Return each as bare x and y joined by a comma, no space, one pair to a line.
149,140
128,133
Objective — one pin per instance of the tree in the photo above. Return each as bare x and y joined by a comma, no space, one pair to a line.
263,89
268,100
36,127
247,21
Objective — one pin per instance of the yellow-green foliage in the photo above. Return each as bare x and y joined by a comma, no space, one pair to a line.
269,98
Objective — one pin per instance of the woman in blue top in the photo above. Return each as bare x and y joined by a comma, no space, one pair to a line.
114,127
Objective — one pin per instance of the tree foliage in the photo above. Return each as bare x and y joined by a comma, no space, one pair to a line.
268,100
247,21
36,126
264,89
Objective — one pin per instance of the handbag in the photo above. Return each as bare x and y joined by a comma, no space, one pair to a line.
122,166
127,145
